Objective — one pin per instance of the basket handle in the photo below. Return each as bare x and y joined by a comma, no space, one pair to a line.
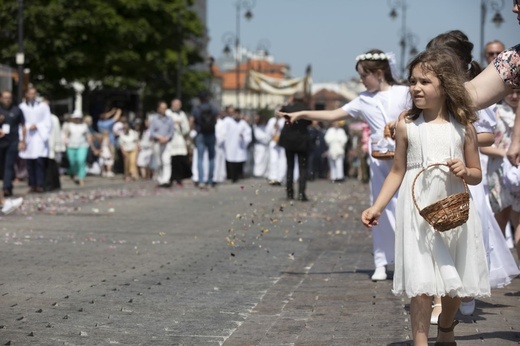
421,171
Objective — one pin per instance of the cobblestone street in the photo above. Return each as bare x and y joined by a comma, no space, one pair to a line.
111,263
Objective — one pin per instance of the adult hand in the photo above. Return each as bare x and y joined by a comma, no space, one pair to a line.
2,133
513,153
21,146
32,127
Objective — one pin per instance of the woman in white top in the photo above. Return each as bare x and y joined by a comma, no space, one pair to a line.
129,144
77,139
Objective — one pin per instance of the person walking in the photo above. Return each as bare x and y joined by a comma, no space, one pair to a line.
382,103
129,144
161,132
237,134
179,148
296,141
437,130
203,120
336,139
56,149
261,147
77,141
38,122
12,124
502,267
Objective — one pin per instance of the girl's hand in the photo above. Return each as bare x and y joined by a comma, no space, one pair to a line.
289,117
458,168
370,216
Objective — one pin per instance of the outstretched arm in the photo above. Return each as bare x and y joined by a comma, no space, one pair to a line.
324,115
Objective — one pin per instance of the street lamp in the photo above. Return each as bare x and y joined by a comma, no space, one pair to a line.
20,56
247,5
496,5
407,39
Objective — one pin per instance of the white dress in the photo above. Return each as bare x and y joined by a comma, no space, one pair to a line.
430,262
377,109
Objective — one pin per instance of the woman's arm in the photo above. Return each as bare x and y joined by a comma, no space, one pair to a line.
393,180
513,153
487,88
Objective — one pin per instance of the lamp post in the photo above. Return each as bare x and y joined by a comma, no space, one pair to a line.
408,39
20,56
247,5
496,5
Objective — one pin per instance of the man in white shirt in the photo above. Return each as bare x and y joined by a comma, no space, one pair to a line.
38,123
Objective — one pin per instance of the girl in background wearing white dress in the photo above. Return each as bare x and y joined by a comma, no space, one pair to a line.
429,263
336,139
379,105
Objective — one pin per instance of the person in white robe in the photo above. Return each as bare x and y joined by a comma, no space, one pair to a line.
336,139
261,148
38,122
277,160
238,135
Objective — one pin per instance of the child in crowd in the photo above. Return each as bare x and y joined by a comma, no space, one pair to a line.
106,157
379,105
437,129
129,144
145,156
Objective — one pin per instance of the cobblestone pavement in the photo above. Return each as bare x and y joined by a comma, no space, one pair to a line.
127,264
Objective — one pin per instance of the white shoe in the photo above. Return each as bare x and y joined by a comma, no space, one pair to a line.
467,308
110,174
11,205
379,274
434,319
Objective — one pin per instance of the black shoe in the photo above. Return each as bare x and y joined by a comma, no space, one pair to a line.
164,185
8,193
302,197
290,195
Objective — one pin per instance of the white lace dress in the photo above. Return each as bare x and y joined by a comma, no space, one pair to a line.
429,262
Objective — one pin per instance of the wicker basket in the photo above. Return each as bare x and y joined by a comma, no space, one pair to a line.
389,155
447,213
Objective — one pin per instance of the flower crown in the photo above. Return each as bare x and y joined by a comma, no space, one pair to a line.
370,56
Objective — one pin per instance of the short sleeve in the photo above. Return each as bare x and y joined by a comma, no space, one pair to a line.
507,65
353,108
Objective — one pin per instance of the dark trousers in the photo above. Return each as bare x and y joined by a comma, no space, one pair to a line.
235,170
8,156
302,166
52,175
36,171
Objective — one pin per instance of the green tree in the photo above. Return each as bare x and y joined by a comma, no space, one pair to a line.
122,44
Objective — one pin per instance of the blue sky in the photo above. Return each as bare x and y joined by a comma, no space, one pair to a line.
329,34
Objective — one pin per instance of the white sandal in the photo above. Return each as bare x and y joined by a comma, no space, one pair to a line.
434,319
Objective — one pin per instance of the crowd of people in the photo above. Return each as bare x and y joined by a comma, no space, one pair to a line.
169,146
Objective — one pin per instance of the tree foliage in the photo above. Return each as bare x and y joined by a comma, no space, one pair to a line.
123,44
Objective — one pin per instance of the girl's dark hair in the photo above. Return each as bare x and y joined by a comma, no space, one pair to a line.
446,67
374,65
462,47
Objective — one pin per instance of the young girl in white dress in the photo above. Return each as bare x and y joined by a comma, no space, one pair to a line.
379,105
437,129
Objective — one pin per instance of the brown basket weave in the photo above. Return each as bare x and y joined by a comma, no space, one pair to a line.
389,155
447,213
